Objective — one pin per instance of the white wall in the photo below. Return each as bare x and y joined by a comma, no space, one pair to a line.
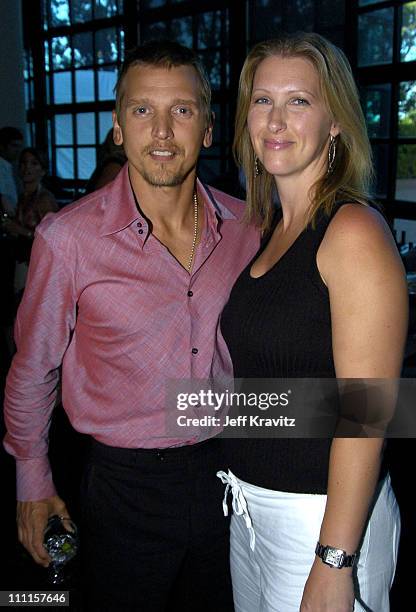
12,102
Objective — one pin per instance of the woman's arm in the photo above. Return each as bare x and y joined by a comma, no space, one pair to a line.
360,265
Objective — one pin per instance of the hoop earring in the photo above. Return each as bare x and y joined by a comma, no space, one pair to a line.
256,166
331,154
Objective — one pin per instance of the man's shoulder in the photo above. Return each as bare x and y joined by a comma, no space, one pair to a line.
82,215
78,212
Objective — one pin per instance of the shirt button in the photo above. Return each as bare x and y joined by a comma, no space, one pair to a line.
194,351
139,224
140,232
190,293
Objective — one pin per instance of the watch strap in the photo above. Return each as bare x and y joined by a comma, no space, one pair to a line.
348,560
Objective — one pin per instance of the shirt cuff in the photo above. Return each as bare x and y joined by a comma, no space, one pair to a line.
34,479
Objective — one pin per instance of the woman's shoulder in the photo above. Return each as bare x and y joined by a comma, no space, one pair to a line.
46,200
357,241
357,223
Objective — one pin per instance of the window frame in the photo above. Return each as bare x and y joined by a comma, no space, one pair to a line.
393,73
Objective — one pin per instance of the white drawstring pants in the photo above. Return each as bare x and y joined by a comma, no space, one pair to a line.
273,539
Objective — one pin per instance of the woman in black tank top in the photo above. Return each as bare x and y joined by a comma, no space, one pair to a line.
325,297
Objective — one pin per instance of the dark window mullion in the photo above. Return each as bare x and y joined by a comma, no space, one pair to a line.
225,87
74,113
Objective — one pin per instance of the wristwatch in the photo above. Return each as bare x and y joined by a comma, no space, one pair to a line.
334,557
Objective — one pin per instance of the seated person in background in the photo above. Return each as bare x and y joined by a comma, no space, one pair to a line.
11,142
110,160
32,206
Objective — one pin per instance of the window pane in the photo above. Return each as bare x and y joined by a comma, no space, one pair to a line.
381,156
375,37
65,162
62,88
408,33
28,65
84,85
405,230
107,78
407,109
367,2
406,173
376,103
106,48
46,46
59,12
107,8
181,31
63,130
81,11
45,6
61,53
83,52
86,162
85,128
212,63
209,29
106,123
121,48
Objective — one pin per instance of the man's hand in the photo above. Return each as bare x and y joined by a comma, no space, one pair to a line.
328,589
32,517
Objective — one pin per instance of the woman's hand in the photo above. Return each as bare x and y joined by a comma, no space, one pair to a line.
328,589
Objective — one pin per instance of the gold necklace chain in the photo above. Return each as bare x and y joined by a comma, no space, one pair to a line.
191,258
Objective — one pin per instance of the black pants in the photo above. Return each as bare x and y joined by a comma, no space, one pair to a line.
153,535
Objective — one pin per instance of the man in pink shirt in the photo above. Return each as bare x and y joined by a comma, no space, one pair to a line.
125,291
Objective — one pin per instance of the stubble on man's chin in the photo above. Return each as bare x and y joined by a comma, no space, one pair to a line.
164,179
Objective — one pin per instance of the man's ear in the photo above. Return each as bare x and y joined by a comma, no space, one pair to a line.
117,132
207,142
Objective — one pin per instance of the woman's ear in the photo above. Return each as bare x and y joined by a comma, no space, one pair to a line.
335,129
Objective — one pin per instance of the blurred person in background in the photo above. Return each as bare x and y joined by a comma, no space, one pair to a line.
11,142
33,204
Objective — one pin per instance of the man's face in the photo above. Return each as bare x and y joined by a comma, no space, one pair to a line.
12,150
161,124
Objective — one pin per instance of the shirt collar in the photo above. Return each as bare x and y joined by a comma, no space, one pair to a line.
121,211
120,208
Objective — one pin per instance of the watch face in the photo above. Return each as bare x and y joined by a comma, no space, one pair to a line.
334,557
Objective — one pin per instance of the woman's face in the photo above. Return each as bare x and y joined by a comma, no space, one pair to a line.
30,169
288,122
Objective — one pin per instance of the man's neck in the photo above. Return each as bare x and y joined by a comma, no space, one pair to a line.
166,207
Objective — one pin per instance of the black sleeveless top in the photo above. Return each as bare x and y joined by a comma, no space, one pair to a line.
279,326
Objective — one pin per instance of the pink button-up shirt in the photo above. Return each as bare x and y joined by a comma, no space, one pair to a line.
106,299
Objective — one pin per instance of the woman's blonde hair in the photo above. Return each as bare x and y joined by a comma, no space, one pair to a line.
352,171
